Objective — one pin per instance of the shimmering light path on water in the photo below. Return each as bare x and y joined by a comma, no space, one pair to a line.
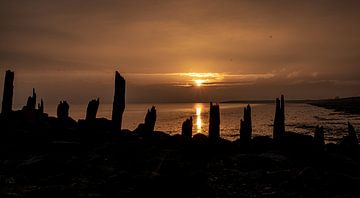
299,118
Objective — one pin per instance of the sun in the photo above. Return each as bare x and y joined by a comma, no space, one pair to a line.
199,82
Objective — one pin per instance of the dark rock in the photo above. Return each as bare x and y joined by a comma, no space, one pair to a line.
200,138
119,101
319,141
214,122
295,142
8,93
92,109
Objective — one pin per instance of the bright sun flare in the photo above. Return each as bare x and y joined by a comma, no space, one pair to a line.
199,82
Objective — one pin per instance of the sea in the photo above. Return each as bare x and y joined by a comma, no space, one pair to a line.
300,118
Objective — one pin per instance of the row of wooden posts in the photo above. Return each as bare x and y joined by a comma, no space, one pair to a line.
150,119
245,123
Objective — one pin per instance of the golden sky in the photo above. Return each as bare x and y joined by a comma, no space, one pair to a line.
235,49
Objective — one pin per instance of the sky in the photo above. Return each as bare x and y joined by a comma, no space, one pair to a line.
181,51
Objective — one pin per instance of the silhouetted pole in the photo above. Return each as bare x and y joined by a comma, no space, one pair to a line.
186,129
246,126
119,101
63,110
31,101
8,93
214,122
41,106
282,123
150,119
319,137
92,109
279,120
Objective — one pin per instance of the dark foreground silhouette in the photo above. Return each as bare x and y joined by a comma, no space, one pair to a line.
42,156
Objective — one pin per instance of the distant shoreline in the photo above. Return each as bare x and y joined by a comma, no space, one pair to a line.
348,105
265,101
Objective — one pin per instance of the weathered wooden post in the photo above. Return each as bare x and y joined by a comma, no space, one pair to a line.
63,110
279,120
246,126
186,129
92,109
41,106
31,102
214,122
8,93
150,119
119,101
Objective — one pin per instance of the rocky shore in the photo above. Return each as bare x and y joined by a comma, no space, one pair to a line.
42,156
83,162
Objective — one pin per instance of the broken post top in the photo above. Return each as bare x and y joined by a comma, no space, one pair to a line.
8,92
31,101
41,106
279,120
63,110
214,121
119,81
92,109
9,74
186,130
118,76
151,115
246,126
119,101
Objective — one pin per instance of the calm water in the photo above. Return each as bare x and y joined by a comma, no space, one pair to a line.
299,118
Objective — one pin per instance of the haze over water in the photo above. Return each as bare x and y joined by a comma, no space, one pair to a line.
300,118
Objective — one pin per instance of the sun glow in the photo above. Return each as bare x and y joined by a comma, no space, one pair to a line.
199,82
202,79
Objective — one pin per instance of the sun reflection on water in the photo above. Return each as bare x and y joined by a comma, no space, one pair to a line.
198,124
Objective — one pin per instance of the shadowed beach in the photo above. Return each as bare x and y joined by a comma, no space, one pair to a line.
44,156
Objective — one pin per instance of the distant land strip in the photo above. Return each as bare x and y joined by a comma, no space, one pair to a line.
265,101
348,105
